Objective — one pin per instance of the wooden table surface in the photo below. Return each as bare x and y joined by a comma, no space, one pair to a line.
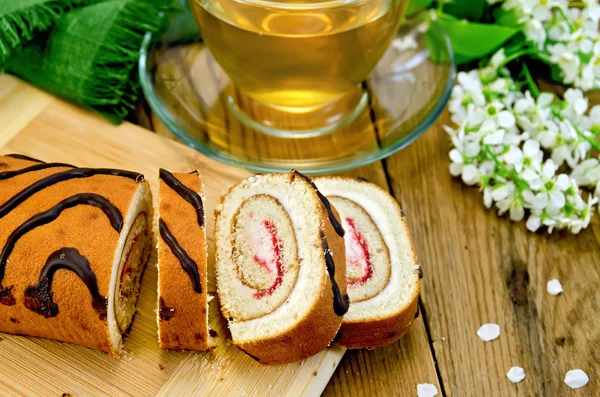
478,268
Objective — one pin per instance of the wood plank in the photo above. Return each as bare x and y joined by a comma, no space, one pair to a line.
33,366
480,268
19,104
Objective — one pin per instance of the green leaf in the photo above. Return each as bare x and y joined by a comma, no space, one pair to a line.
471,40
417,5
470,9
506,18
435,42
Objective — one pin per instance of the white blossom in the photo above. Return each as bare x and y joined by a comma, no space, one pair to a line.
513,150
565,36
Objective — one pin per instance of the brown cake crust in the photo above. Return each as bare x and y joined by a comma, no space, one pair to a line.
182,312
301,341
83,227
371,334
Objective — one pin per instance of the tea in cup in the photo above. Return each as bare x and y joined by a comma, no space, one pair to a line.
299,59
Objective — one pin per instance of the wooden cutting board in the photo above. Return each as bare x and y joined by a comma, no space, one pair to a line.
39,125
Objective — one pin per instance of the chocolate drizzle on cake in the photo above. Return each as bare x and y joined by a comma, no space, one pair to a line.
6,296
419,271
186,193
39,297
334,222
187,263
23,157
112,212
340,302
59,177
36,167
164,312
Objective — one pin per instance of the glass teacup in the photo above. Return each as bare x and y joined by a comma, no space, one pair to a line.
301,62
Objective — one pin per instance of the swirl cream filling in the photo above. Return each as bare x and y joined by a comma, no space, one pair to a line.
367,256
265,255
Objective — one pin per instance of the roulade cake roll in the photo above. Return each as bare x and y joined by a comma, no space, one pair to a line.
74,243
381,264
182,254
280,266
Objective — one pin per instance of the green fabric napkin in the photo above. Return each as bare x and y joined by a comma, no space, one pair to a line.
85,51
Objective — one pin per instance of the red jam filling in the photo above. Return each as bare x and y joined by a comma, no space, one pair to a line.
357,252
273,263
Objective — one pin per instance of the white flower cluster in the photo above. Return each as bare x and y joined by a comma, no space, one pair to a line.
566,37
519,149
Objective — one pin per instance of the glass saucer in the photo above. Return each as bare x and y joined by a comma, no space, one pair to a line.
191,96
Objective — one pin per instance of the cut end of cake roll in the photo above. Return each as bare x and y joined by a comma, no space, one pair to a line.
280,265
133,251
383,274
182,264
75,242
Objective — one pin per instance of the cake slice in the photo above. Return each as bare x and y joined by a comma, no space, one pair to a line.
382,269
280,267
75,242
182,292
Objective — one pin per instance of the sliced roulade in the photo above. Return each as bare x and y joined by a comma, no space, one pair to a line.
74,243
280,267
381,264
182,254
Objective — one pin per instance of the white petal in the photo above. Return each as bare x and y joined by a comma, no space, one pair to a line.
476,117
595,114
547,138
541,200
576,378
523,105
498,58
528,195
494,138
554,287
515,374
513,156
533,223
456,156
580,106
586,46
488,332
545,99
487,197
531,147
536,184
470,174
472,149
426,390
563,182
456,169
500,193
506,119
516,214
557,199
576,228
529,175
549,169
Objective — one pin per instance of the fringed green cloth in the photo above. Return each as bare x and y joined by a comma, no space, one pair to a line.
85,51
